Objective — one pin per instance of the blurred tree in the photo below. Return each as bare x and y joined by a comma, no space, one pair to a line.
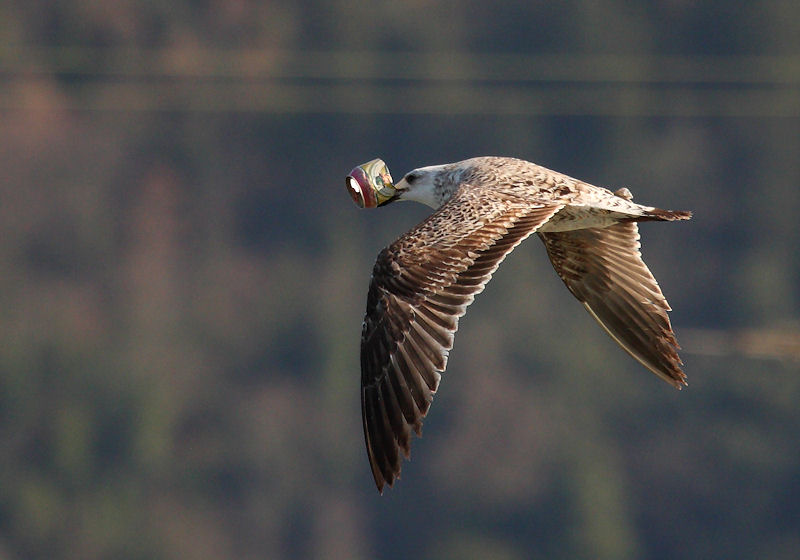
182,280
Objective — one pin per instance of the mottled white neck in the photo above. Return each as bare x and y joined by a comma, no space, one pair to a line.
421,185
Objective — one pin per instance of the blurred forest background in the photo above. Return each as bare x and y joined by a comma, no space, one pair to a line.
183,278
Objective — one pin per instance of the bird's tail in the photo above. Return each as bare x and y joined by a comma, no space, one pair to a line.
659,215
650,214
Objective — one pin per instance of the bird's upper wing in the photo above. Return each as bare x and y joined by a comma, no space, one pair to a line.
603,268
421,285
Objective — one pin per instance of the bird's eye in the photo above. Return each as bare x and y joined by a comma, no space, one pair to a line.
410,178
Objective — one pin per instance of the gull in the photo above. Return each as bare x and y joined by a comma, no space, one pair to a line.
423,282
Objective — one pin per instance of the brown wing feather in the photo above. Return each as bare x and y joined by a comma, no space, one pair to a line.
421,285
603,268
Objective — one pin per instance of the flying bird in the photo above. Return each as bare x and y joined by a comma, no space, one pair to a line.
423,282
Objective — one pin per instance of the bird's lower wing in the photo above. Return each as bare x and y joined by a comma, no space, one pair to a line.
603,268
420,286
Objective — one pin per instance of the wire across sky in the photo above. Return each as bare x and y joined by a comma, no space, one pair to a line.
389,82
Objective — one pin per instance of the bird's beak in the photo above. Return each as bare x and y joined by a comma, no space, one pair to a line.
399,189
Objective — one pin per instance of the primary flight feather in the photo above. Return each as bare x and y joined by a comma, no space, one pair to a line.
423,282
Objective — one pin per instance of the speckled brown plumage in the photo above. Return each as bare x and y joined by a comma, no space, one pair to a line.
423,282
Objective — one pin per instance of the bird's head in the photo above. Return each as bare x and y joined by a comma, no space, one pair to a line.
370,184
425,185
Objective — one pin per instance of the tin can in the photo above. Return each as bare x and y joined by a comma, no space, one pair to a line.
370,184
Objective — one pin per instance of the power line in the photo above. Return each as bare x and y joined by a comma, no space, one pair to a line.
482,67
379,82
629,101
220,63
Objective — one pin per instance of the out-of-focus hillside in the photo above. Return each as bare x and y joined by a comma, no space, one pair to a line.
183,278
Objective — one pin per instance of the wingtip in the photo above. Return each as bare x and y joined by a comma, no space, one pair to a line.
383,483
380,482
675,377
